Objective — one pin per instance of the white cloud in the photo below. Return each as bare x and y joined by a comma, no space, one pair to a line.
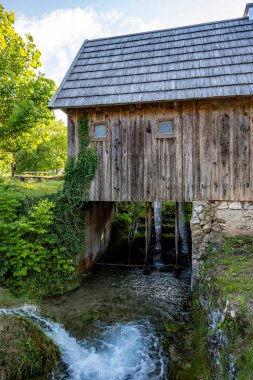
112,16
134,24
59,34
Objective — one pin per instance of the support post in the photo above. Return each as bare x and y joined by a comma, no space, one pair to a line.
148,230
176,230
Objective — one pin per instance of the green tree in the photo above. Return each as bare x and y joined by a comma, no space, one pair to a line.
50,154
24,92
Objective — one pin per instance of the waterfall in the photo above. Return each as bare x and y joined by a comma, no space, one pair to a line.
124,351
183,230
158,230
158,224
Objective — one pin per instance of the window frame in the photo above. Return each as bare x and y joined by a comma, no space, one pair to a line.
93,126
165,136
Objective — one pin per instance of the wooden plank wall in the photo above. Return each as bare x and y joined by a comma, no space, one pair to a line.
210,158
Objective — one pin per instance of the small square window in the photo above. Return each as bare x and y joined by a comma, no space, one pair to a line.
166,128
100,131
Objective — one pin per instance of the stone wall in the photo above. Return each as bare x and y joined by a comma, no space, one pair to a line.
236,217
211,221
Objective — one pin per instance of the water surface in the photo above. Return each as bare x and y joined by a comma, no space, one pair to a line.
124,341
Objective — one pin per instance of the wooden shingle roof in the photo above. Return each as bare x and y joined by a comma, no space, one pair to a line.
199,61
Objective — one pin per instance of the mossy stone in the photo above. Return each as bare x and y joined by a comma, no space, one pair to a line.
90,317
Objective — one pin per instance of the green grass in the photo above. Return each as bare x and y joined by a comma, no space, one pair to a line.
231,267
7,299
30,188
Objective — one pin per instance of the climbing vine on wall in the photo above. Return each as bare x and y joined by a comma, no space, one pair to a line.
71,202
80,172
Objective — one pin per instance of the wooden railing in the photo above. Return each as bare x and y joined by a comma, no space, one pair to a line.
38,176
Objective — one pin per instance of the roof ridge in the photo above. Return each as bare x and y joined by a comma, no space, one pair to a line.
166,29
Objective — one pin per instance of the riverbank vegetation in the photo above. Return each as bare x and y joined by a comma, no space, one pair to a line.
26,351
41,235
218,339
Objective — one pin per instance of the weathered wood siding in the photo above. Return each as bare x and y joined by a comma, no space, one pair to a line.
210,158
98,220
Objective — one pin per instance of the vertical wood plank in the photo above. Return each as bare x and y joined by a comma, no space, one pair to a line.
223,152
214,161
196,155
205,168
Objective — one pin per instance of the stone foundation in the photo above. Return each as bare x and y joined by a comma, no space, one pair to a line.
212,221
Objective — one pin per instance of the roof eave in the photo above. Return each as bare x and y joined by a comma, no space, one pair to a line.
64,108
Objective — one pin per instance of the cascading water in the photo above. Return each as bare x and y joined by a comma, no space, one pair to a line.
183,230
158,230
125,351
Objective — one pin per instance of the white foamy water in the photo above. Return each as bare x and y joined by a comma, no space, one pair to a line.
158,224
125,351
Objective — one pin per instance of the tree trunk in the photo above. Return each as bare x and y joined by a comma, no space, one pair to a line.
13,168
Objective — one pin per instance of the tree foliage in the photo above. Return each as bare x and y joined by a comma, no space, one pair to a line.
51,150
24,92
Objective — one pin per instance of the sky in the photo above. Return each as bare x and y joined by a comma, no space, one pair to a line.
60,26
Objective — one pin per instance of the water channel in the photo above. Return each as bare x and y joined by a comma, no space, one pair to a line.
111,328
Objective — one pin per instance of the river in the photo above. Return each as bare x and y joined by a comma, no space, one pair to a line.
111,328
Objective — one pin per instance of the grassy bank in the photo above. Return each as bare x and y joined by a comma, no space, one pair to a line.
25,351
226,290
30,188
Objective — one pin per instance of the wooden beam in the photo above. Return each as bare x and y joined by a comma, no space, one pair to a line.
123,265
148,231
176,229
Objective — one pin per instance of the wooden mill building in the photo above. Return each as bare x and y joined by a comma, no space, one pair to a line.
170,112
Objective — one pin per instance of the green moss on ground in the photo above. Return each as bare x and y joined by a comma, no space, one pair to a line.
90,317
25,351
226,279
189,351
230,269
